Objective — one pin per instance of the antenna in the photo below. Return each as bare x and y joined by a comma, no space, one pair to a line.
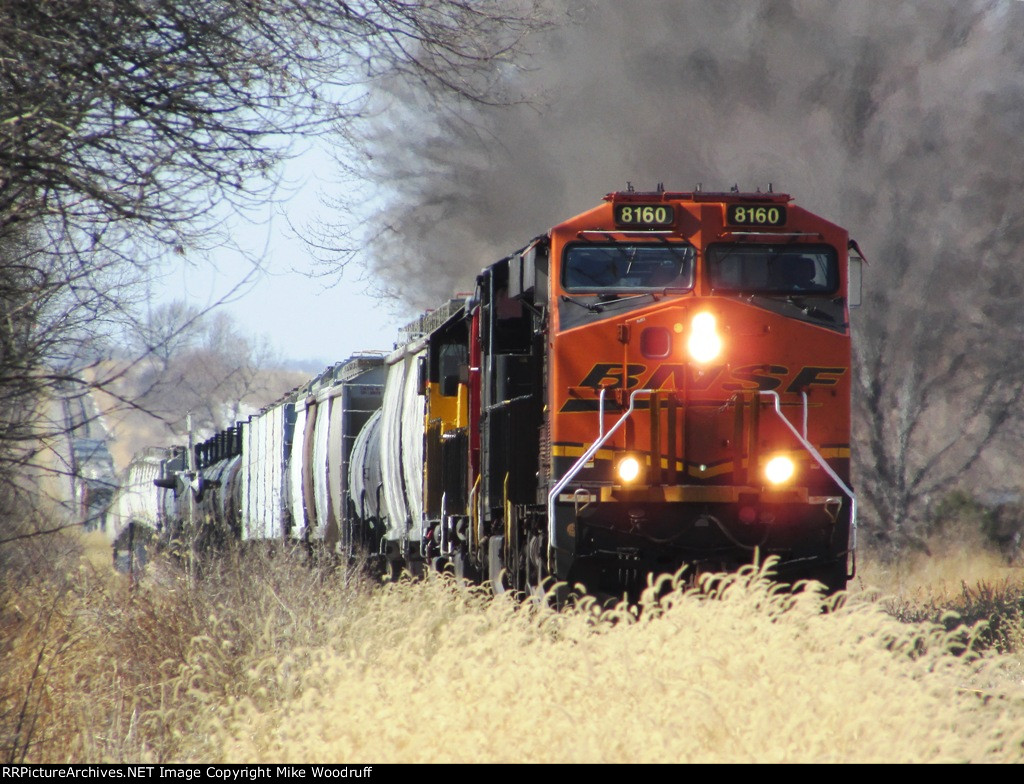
629,186
661,187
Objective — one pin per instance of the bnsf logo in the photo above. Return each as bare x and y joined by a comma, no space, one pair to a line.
668,376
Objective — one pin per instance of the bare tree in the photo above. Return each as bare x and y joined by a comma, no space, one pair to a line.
54,320
215,372
165,330
940,374
128,127
132,118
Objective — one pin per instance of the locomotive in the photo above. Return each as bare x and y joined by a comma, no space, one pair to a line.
658,382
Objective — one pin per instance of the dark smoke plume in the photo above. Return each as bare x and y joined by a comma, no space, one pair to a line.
902,120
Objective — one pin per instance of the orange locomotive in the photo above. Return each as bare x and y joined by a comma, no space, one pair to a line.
693,352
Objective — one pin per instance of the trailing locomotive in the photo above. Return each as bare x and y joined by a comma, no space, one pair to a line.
663,380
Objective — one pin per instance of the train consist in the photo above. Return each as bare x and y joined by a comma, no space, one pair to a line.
660,381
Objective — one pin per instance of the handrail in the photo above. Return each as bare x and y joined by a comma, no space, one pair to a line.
472,508
806,406
587,455
603,438
818,458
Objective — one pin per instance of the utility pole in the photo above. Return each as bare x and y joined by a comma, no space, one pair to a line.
191,486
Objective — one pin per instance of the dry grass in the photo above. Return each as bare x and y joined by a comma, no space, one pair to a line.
738,674
953,586
920,576
95,669
263,659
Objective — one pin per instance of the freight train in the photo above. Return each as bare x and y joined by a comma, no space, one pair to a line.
661,381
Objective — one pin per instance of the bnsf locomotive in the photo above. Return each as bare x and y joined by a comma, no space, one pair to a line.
663,380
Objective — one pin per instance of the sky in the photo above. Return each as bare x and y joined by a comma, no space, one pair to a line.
309,321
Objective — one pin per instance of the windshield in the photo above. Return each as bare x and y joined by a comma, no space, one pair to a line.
773,269
614,267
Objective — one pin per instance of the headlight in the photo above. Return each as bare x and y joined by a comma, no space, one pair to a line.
704,343
779,469
628,469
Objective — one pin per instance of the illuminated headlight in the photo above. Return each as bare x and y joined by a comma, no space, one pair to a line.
628,469
779,469
704,343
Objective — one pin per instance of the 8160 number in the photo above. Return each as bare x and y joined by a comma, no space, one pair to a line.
644,215
755,215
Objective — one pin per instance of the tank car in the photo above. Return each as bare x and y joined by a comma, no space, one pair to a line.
661,381
395,502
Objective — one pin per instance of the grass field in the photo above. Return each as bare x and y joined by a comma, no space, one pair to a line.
263,659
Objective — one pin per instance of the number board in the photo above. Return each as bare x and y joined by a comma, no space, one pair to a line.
644,215
755,214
